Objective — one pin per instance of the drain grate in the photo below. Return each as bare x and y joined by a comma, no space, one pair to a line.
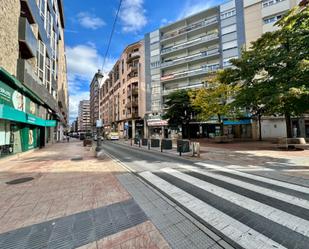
20,180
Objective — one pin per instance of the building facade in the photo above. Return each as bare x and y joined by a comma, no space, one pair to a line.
122,95
34,97
94,99
180,55
260,17
84,123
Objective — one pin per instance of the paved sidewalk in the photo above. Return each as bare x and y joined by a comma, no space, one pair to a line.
70,203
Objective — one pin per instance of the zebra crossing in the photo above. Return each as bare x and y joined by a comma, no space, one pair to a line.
247,210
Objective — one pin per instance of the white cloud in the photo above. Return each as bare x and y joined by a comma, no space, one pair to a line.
132,15
83,61
194,6
90,21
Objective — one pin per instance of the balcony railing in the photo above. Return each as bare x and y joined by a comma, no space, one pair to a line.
190,43
191,86
190,28
190,58
133,56
204,69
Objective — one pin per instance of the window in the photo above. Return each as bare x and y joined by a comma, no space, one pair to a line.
47,75
267,3
41,61
155,64
42,6
122,66
228,29
271,19
228,45
228,14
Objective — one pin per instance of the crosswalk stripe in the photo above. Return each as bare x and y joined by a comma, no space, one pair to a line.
283,218
265,191
257,178
238,232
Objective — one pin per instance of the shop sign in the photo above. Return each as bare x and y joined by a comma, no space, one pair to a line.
157,123
11,97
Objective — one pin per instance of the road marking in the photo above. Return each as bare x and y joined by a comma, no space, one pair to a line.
230,227
261,190
257,178
276,215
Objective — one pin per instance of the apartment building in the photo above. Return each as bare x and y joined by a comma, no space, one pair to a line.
122,95
260,17
181,54
33,77
94,99
84,124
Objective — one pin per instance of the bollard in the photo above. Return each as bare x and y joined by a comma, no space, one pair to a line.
148,144
180,149
161,146
139,143
131,142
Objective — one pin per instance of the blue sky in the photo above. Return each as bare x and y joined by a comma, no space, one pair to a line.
88,26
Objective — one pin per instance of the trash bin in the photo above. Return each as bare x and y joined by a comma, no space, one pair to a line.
155,143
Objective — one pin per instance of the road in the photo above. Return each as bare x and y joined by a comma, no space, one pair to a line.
245,209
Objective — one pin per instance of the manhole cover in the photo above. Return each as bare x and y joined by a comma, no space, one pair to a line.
20,180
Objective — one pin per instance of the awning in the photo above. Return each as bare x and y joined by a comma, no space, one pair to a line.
9,113
6,77
237,122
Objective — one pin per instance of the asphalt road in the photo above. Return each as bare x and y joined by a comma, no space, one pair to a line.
247,210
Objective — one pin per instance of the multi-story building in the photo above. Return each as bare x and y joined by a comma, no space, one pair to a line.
74,125
122,95
84,124
33,80
181,54
260,17
94,99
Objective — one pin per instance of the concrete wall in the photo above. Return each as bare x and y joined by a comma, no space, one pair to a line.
9,21
253,22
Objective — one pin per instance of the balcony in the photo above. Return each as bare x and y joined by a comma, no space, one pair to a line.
135,91
27,39
189,28
191,86
190,58
195,72
133,56
27,76
191,43
133,103
32,8
133,115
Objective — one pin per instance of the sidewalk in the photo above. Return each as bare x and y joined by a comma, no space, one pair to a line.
248,155
67,199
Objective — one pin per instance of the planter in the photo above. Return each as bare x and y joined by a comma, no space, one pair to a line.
167,144
155,143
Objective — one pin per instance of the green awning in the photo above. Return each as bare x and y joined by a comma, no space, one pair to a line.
7,78
9,113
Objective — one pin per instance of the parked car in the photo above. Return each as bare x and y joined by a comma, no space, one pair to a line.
113,136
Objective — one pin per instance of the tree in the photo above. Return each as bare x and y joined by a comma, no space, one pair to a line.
179,110
274,72
213,100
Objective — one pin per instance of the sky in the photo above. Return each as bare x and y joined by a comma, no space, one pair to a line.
88,24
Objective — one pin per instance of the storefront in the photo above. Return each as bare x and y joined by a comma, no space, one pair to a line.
24,123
